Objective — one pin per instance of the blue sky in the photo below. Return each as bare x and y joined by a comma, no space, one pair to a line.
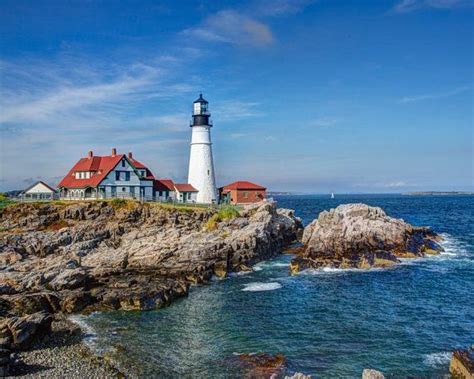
315,96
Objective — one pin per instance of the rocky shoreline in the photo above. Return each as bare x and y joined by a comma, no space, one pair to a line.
62,353
64,258
59,258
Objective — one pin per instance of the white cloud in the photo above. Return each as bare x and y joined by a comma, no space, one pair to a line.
280,7
229,26
406,6
397,184
434,96
57,110
324,122
233,110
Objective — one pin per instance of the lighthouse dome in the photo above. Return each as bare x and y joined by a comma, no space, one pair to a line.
201,100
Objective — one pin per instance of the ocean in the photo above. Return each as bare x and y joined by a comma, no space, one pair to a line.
404,321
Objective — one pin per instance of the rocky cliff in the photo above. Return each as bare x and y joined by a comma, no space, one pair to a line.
63,257
360,236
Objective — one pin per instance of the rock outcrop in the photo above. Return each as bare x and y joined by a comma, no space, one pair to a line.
369,373
462,364
71,257
361,236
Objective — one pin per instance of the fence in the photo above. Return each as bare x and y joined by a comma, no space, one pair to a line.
127,196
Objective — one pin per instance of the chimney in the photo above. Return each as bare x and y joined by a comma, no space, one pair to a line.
114,152
130,155
90,154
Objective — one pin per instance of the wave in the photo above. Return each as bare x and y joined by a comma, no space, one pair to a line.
452,246
339,271
437,359
258,286
269,265
90,337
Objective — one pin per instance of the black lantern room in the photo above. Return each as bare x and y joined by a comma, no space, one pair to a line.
201,112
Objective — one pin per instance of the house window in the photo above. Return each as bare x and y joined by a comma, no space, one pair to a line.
127,176
143,173
123,162
167,193
123,189
246,195
117,175
160,193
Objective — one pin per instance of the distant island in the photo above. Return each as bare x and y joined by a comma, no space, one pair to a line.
438,193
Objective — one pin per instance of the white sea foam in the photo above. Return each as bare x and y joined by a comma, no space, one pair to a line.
258,286
437,359
340,271
269,265
90,337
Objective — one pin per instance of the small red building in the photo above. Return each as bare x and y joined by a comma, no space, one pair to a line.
242,192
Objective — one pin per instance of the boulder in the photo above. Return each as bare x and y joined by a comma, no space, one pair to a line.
361,236
262,365
462,364
372,374
69,279
298,375
24,330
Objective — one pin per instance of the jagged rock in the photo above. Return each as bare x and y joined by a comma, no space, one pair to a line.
298,375
70,279
262,365
462,364
372,374
96,256
360,236
25,329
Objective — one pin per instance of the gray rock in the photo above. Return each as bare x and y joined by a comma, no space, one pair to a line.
360,236
372,374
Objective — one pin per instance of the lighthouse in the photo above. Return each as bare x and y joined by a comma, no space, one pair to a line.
201,165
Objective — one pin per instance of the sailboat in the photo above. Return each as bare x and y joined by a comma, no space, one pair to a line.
332,195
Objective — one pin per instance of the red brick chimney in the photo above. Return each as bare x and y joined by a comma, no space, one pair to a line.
130,155
90,154
114,152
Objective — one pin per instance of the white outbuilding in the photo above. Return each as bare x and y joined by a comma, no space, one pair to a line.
38,191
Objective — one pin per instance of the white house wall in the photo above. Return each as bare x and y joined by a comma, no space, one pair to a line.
39,188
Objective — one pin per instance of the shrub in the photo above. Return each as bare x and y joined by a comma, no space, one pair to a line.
225,213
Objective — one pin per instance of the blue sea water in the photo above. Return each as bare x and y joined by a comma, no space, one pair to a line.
404,320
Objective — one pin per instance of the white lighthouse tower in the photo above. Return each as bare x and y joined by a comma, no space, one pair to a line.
201,165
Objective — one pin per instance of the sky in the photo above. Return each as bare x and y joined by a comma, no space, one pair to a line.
307,96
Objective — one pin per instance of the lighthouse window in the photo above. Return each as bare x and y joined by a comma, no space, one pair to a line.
208,172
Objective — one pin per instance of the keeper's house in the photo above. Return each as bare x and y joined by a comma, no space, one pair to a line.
120,176
104,177
242,192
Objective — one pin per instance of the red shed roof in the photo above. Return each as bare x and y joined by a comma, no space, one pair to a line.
163,185
100,168
243,185
184,187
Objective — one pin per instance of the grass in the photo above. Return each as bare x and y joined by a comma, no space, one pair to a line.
224,213
4,201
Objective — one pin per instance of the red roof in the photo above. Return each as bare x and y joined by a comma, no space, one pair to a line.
184,187
243,185
99,167
163,185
